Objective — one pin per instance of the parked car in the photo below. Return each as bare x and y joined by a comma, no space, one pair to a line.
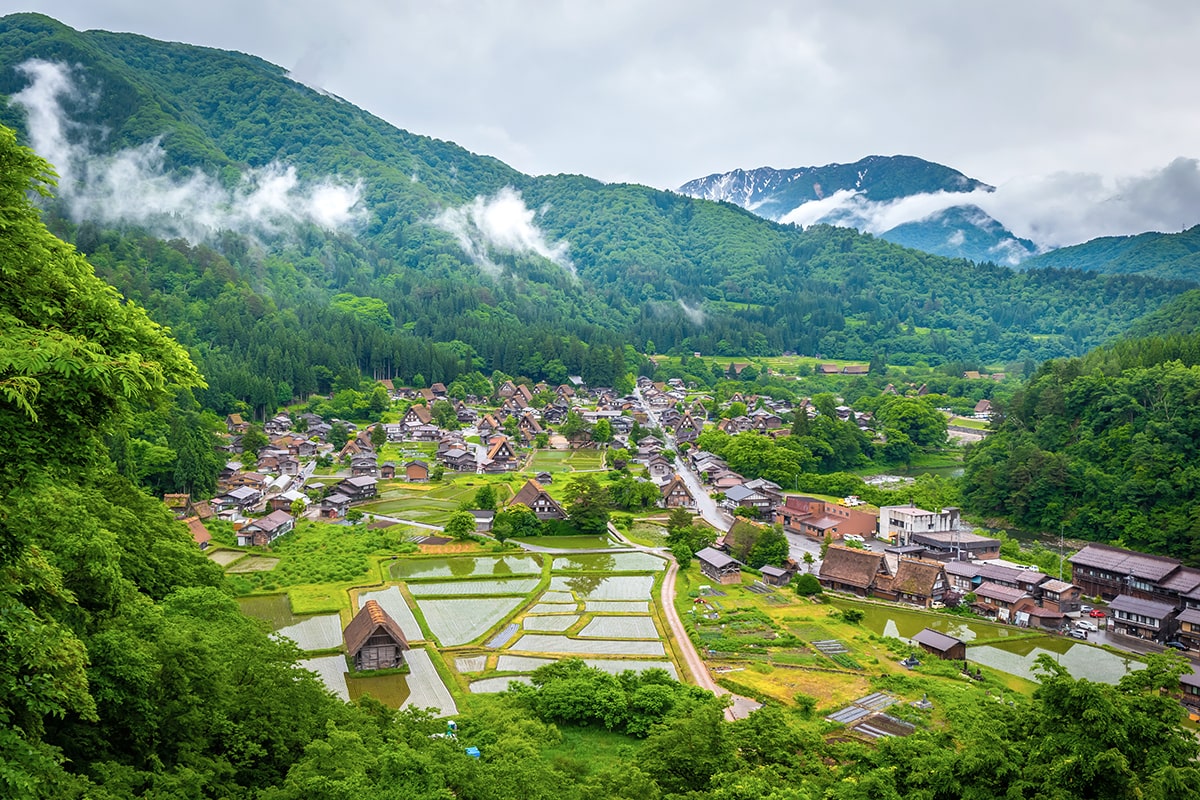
1079,633
1098,613
1085,609
1086,625
1177,645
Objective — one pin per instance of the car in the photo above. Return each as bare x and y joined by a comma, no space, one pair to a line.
1098,613
1176,645
1079,633
1085,625
1085,609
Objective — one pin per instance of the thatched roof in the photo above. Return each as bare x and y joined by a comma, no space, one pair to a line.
916,577
369,619
852,567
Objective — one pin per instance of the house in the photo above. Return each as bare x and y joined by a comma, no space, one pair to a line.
660,468
417,416
283,502
916,581
1060,596
438,389
719,566
358,488
500,456
1189,685
814,518
179,504
776,576
236,424
459,460
483,520
1145,619
675,494
999,600
955,545
335,506
898,523
417,471
374,640
1102,570
200,534
544,478
741,496
361,466
238,499
387,470
983,408
264,530
535,497
941,645
769,489
855,571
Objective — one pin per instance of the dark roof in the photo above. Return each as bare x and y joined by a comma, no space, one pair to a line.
999,572
1190,679
966,569
272,521
1145,608
370,618
531,492
823,523
852,567
1124,562
948,538
994,591
1184,580
937,641
716,559
1191,615
773,572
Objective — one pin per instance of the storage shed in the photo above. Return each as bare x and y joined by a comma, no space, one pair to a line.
941,645
374,640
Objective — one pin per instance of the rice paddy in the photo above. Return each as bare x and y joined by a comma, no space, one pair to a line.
557,597
550,643
492,685
513,586
332,672
618,606
617,587
253,563
464,567
553,608
425,686
471,664
608,562
225,557
620,628
458,621
556,624
323,632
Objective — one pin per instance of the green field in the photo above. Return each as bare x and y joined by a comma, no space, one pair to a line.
555,461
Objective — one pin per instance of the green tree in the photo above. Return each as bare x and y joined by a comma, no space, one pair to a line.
254,439
461,525
485,497
807,584
378,435
587,504
339,434
602,431
771,548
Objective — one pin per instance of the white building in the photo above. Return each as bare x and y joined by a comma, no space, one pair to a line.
898,523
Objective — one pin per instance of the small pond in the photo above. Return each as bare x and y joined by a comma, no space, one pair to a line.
391,690
903,623
1080,660
570,542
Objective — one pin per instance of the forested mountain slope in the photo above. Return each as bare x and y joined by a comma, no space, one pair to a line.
470,264
1163,255
1104,448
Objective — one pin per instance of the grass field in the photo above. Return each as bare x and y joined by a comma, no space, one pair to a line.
555,461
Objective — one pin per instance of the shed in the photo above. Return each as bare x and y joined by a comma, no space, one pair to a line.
941,645
374,640
775,576
719,566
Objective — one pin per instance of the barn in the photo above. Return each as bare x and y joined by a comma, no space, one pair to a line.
374,640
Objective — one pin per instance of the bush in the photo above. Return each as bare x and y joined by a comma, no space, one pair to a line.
806,585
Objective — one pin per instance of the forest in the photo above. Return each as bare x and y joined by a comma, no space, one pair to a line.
1103,447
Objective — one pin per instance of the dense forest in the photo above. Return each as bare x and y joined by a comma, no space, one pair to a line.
1164,255
615,270
1103,447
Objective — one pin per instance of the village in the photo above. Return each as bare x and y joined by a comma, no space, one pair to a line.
438,609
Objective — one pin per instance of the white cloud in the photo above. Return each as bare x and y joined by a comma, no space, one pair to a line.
134,186
500,223
694,313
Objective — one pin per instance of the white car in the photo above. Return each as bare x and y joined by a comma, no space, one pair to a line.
1086,624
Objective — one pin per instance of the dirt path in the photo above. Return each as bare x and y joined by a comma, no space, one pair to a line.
742,706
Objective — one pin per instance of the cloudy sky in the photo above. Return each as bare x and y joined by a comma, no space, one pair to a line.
1092,99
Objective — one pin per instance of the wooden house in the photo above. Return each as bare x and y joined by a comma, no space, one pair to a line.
776,576
335,506
361,488
916,581
416,471
387,470
374,640
200,534
536,498
1145,619
941,645
858,572
264,530
719,566
675,494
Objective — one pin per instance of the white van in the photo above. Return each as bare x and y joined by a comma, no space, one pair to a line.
853,537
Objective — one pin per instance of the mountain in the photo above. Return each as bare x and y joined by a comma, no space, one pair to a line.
293,241
1164,255
963,232
853,195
